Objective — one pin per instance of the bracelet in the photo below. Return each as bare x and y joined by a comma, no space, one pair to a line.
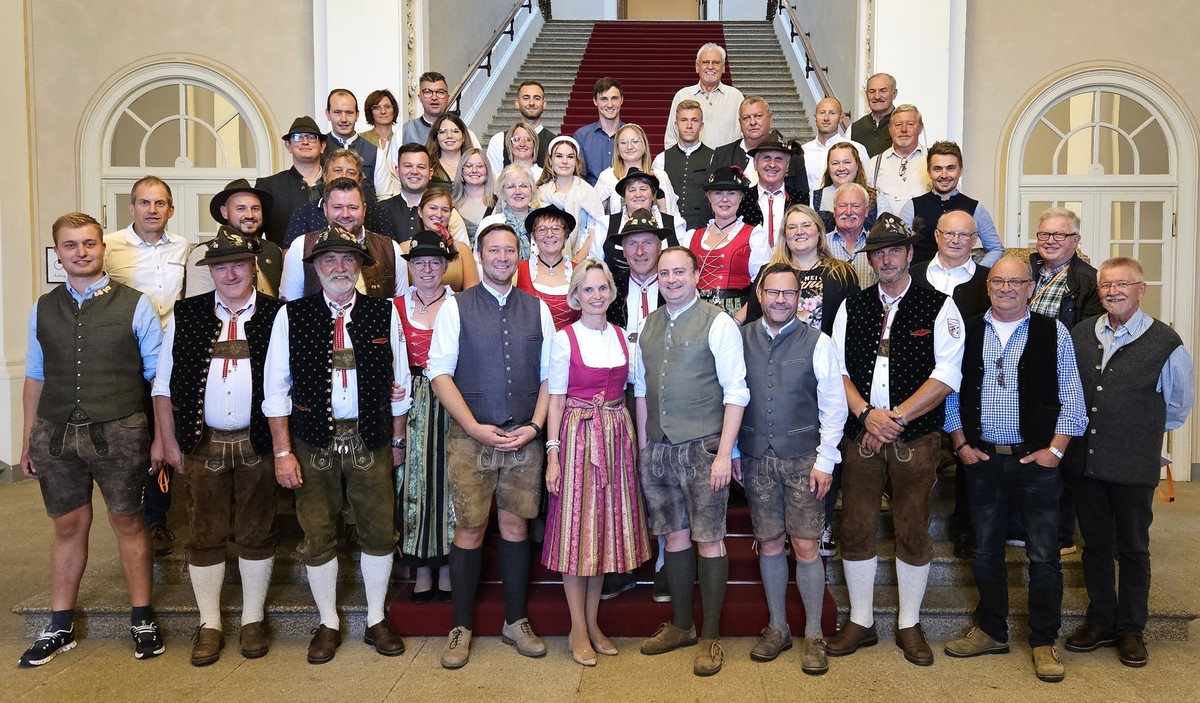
553,444
900,420
280,455
537,429
399,442
862,416
959,447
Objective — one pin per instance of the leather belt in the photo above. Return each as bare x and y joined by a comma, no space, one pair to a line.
1005,449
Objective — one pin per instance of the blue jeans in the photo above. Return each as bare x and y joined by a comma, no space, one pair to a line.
993,486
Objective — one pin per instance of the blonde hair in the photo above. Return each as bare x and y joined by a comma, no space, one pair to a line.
838,269
581,272
618,164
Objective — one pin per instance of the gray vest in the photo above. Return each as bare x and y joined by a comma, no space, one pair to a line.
684,399
499,355
782,414
1126,413
91,356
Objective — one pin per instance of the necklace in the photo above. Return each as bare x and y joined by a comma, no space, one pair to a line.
550,267
424,305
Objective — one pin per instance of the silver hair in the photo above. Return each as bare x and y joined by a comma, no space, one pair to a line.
720,49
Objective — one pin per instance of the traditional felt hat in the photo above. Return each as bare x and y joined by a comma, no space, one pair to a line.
773,142
641,221
889,231
336,238
429,243
304,125
550,211
240,185
636,174
229,245
727,178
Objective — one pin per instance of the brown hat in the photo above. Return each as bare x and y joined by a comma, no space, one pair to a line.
240,185
641,221
336,238
889,231
304,125
229,245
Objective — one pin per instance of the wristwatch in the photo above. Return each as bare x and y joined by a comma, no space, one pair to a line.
862,416
1054,450
399,442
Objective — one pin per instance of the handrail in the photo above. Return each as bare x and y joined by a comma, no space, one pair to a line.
811,61
484,59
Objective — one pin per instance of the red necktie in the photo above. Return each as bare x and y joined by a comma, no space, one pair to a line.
233,319
339,332
771,219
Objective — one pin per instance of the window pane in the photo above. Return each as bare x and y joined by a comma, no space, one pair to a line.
162,148
1125,112
1075,158
1151,144
1039,150
1036,208
1152,302
157,104
202,146
1123,250
126,142
1150,221
1122,221
237,144
1150,256
1115,152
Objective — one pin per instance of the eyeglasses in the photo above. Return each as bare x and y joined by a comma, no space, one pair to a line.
303,138
1056,236
634,141
776,294
380,107
517,186
553,229
428,265
434,92
999,283
955,235
1118,285
521,140
449,131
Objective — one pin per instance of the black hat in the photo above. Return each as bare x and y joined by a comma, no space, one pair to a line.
636,174
304,125
429,243
241,185
229,245
889,231
550,211
727,178
773,142
336,238
640,221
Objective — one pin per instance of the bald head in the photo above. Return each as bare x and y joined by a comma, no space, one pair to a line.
828,117
956,233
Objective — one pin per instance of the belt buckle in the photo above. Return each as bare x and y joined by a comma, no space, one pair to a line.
1004,449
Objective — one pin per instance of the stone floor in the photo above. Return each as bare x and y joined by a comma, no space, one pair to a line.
105,670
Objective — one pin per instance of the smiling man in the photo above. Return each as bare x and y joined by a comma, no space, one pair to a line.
341,109
945,163
718,101
686,164
244,209
754,120
294,186
414,169
310,216
901,172
871,130
775,192
531,103
827,117
848,239
598,139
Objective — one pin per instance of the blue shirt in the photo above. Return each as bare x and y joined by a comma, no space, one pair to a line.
146,328
1001,417
989,236
1175,379
597,148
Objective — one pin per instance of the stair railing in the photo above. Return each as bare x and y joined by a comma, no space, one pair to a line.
483,61
812,64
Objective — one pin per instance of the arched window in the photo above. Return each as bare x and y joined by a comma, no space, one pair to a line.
185,123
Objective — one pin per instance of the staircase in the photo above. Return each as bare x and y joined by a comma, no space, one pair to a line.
949,603
652,60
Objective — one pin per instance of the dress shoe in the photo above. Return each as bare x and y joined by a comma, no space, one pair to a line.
709,659
660,592
520,635
384,640
162,540
1131,649
771,643
850,637
964,546
254,640
669,638
1088,638
445,596
324,645
1047,665
813,660
916,649
974,643
207,644
421,597
457,651
604,645
617,583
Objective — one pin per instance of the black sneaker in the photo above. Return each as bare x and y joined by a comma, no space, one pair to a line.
661,593
827,547
147,640
617,583
50,643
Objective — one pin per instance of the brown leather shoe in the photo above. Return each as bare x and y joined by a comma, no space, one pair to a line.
324,645
850,636
207,644
916,649
1131,650
1088,638
669,638
254,640
385,641
162,540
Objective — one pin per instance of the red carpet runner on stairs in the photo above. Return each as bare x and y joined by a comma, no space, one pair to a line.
631,614
652,60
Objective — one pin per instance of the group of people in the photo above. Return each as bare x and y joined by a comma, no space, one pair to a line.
402,331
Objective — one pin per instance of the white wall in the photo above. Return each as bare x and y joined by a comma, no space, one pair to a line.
915,41
584,9
342,60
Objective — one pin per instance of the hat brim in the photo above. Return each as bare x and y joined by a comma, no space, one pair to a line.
553,212
418,252
226,258
218,201
366,258
873,246
640,176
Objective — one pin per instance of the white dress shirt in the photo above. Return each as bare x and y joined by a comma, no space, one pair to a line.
725,343
291,284
947,349
720,109
947,279
447,326
883,174
226,397
277,372
154,269
772,204
599,349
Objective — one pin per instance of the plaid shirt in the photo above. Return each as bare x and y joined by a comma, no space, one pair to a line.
857,259
1049,291
1001,405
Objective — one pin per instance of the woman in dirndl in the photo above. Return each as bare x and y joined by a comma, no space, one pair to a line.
424,513
733,246
595,523
547,273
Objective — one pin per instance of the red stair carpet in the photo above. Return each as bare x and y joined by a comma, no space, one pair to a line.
631,614
652,60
